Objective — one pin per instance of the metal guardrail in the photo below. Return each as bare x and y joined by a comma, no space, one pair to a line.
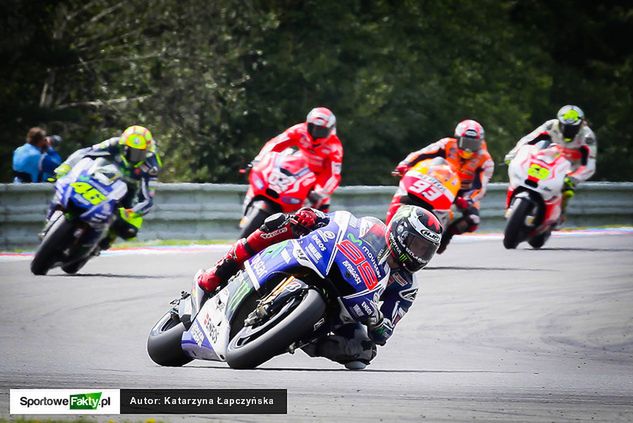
211,211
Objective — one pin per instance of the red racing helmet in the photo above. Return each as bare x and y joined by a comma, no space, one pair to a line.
470,136
321,124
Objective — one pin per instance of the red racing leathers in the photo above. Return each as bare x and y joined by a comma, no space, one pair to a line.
324,157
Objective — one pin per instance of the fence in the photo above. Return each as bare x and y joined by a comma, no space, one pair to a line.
211,211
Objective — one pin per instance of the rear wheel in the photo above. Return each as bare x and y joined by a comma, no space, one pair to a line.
257,212
164,342
55,240
254,345
516,230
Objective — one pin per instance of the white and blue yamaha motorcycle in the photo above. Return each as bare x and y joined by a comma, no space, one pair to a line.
287,296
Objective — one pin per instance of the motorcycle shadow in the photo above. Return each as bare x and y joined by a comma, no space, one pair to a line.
114,275
502,269
342,369
590,250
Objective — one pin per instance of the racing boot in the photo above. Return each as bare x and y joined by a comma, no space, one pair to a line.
210,279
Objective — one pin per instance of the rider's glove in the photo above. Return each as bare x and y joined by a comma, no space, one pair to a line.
463,203
62,170
508,158
570,184
401,169
306,219
379,331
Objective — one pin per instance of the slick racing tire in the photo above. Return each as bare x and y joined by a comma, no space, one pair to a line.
251,347
164,342
255,215
55,240
539,240
515,231
73,267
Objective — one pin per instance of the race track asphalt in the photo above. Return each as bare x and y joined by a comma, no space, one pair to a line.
494,335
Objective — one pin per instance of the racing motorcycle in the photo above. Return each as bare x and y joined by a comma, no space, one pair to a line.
534,198
280,182
84,206
286,297
431,184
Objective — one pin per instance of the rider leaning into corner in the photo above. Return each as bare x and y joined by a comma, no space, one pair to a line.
468,154
316,139
135,154
412,237
572,133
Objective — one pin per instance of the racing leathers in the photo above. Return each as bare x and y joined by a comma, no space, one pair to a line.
324,157
138,200
581,152
474,174
353,342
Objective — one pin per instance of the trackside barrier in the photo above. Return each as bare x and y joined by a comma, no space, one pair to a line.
211,211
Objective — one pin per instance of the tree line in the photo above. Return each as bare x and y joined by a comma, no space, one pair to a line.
213,80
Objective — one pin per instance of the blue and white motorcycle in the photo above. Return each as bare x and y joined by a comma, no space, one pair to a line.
287,296
84,207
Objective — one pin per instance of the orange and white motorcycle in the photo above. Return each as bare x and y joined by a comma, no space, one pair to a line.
431,184
534,199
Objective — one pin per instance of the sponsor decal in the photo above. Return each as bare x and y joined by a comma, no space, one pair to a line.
212,330
355,255
319,323
351,270
409,294
258,266
197,335
326,235
312,251
369,310
268,235
239,295
356,309
399,279
318,242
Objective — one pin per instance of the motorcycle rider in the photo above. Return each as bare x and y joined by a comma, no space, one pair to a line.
467,153
317,140
412,237
135,154
572,133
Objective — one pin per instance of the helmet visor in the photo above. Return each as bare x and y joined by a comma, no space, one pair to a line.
135,155
317,132
469,144
569,131
418,250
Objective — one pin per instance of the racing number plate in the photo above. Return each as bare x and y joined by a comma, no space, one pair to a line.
538,172
90,193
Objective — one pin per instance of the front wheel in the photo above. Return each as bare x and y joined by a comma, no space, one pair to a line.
252,346
516,230
55,240
255,216
164,342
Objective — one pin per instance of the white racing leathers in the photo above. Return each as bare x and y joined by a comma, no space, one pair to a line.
581,151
